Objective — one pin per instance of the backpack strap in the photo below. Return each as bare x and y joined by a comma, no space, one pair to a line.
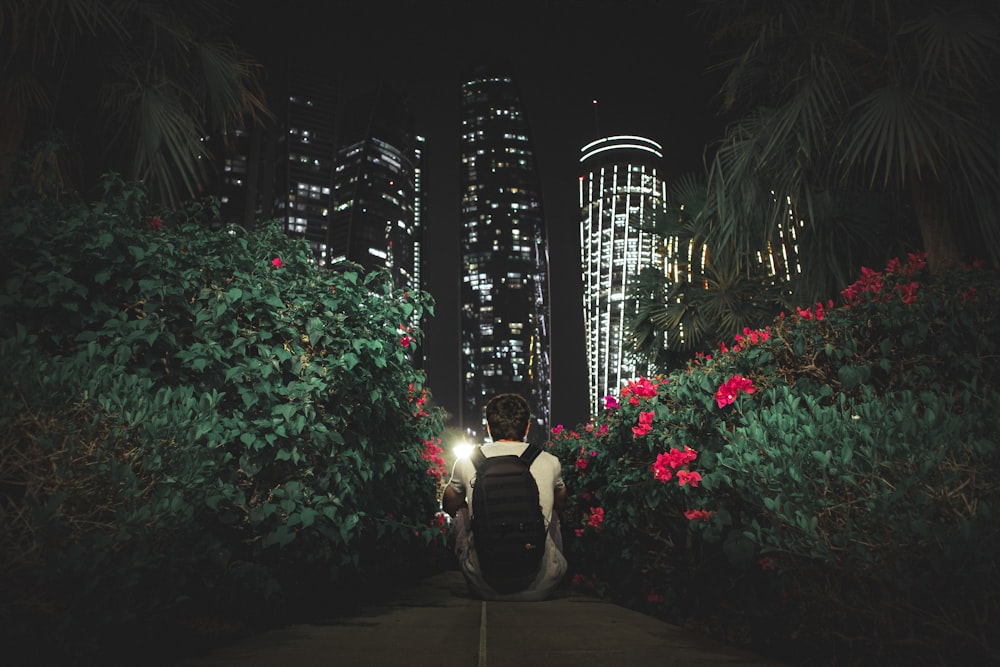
478,458
529,454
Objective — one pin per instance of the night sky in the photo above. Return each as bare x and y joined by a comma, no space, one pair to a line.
644,61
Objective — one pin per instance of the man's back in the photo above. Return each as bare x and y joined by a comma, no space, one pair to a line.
547,472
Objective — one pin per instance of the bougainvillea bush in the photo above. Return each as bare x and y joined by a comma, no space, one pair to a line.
201,415
824,489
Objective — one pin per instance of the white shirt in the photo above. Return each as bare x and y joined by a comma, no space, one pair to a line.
547,471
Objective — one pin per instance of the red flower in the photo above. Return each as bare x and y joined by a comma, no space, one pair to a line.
907,292
405,341
729,389
155,223
277,263
687,477
645,424
698,515
596,517
661,469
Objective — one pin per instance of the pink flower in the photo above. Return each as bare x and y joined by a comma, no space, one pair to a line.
918,260
661,469
667,462
603,429
643,388
766,563
698,515
611,403
405,341
645,424
557,430
729,389
907,292
687,477
277,263
155,223
581,464
596,517
578,532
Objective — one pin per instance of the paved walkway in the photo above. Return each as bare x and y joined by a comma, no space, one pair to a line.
436,623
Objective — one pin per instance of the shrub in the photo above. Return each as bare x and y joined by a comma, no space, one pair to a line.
823,488
201,417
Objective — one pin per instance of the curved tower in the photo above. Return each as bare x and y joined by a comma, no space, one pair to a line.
505,282
620,189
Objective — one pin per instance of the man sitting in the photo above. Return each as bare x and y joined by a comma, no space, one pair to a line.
508,419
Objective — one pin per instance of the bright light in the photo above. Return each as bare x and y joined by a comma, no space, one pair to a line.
462,450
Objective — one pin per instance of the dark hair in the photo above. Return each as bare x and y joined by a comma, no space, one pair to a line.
508,416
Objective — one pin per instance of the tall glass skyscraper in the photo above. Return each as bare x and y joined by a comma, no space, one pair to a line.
620,189
505,283
307,156
377,217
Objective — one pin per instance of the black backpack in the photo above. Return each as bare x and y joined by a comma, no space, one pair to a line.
507,524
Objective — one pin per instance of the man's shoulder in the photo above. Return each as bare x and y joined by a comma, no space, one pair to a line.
514,449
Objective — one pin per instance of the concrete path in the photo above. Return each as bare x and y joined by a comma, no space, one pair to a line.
436,623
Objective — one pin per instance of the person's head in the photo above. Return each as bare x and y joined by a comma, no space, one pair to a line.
507,417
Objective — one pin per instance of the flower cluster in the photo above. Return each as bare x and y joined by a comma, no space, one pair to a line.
728,390
419,401
641,389
561,433
816,312
748,337
873,282
698,515
645,425
596,518
666,463
405,339
581,460
432,454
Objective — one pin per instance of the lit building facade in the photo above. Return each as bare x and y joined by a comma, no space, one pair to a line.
621,190
306,158
505,284
378,198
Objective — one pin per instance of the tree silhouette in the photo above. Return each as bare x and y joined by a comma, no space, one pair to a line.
128,86
878,120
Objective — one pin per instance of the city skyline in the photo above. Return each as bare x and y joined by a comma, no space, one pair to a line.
647,78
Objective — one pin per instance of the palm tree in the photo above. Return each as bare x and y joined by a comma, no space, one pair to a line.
712,295
131,86
854,109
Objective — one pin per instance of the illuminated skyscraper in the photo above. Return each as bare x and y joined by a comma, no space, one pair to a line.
505,284
620,189
305,157
377,217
